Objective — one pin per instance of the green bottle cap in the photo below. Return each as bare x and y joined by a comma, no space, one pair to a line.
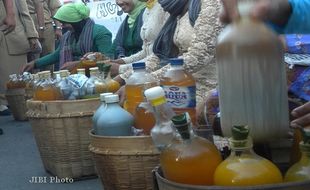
181,124
240,132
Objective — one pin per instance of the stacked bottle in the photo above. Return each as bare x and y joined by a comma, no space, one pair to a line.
115,121
162,132
136,84
243,167
300,171
46,89
100,110
191,159
180,89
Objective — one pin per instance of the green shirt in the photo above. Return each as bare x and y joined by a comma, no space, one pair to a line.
102,42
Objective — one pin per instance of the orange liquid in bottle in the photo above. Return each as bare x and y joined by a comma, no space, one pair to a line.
191,163
134,96
179,84
246,171
46,94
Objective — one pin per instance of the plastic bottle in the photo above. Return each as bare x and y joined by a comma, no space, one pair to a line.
136,84
81,71
252,78
300,171
161,132
115,121
100,110
180,89
243,167
193,159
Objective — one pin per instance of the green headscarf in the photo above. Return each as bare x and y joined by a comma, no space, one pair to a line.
72,12
138,6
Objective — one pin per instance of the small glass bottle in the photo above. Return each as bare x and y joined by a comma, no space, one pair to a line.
63,84
300,171
94,85
115,121
81,71
162,132
100,110
243,167
46,89
192,159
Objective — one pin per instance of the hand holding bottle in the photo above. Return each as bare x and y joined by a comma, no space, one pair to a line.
277,12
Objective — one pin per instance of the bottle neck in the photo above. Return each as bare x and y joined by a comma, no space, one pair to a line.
176,67
239,147
305,150
162,113
245,7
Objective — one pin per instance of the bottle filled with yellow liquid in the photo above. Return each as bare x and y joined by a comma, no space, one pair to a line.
46,89
243,167
191,159
300,171
136,84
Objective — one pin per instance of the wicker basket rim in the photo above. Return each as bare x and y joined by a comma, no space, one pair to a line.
117,137
62,101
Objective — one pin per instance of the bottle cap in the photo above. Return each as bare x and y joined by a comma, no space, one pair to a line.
182,125
94,69
103,95
63,73
138,65
111,98
176,61
155,95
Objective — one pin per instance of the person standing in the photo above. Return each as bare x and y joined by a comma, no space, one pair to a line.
14,42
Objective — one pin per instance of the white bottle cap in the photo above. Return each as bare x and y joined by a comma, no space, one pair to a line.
93,68
103,95
111,98
155,95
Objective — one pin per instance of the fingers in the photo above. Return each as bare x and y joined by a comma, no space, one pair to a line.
229,11
302,113
301,110
303,121
261,9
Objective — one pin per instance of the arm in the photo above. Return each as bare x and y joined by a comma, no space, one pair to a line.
9,20
299,20
103,41
40,16
53,6
48,59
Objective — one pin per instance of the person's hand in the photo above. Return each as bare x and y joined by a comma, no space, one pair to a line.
9,23
118,61
302,115
70,65
122,95
114,68
35,45
27,67
277,12
58,34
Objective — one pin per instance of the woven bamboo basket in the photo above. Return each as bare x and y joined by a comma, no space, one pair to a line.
162,183
17,101
61,130
124,162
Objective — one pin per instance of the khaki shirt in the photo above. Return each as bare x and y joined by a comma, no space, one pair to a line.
49,8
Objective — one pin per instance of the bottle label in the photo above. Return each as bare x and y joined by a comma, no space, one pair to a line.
181,97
